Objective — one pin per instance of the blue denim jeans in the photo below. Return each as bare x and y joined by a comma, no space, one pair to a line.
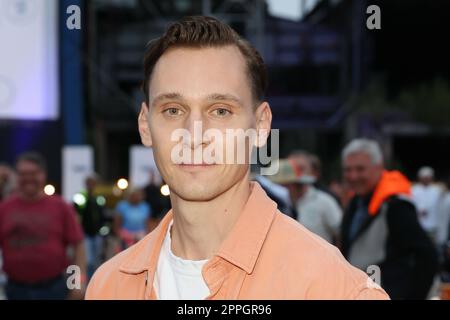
93,248
54,290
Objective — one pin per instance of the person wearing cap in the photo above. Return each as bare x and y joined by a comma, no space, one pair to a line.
426,196
316,210
316,172
380,228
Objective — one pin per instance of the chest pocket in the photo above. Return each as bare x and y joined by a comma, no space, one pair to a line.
131,286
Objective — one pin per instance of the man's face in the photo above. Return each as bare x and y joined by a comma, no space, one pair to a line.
361,174
91,184
30,179
426,180
208,86
303,164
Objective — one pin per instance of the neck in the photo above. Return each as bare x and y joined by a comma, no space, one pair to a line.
200,227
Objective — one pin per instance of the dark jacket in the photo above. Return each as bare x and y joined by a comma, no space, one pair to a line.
394,240
91,212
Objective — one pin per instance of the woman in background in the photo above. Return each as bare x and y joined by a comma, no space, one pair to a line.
132,219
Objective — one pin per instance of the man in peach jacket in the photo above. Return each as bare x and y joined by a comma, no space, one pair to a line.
224,237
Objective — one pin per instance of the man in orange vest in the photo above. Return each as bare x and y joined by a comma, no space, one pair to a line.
380,228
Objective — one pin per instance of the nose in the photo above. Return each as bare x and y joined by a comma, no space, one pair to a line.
195,125
350,175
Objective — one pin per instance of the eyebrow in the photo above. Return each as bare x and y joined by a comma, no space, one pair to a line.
167,96
224,97
211,97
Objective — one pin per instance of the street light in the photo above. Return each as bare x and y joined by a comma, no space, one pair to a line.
165,191
49,190
122,184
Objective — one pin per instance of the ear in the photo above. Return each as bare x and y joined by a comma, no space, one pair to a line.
144,129
263,123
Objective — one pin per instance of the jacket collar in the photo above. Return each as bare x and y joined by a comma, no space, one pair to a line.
245,241
390,184
144,255
241,247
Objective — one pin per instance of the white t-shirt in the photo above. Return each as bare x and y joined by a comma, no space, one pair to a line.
319,213
426,199
443,224
176,278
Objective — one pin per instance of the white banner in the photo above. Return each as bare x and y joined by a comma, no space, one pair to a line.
28,59
77,164
142,164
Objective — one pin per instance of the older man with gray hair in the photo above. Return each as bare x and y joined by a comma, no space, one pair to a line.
381,227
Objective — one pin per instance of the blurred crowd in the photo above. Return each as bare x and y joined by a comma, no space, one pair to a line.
41,234
394,229
381,222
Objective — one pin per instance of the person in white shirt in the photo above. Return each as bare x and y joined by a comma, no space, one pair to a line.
317,211
320,213
426,196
